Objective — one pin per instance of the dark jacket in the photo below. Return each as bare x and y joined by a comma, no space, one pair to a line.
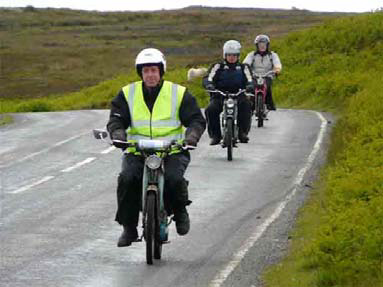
190,113
229,77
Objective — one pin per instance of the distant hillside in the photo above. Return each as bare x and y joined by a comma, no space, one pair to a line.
54,51
247,9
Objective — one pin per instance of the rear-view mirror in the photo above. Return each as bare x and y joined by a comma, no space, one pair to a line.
100,134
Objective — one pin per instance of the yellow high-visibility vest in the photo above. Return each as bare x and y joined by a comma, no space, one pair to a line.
163,122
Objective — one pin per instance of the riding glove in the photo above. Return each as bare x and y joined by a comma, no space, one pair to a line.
191,139
119,134
250,88
210,87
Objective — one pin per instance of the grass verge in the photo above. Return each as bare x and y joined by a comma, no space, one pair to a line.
338,239
5,119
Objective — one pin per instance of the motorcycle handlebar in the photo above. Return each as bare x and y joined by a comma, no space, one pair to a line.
227,94
264,75
142,144
152,145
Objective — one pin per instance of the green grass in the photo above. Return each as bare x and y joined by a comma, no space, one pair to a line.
338,240
5,119
96,97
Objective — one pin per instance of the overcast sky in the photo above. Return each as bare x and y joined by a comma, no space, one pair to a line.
121,5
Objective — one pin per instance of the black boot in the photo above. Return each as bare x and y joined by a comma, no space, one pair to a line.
182,220
215,140
271,107
128,235
243,138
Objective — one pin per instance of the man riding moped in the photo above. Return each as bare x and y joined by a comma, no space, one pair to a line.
153,109
229,76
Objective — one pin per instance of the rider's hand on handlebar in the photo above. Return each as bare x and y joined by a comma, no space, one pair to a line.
119,134
119,144
277,71
191,142
250,88
191,139
210,87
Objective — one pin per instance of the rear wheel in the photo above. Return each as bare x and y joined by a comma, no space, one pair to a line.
229,139
260,110
150,226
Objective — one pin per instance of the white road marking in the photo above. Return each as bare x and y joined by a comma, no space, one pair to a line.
68,169
45,179
81,163
238,256
24,188
108,150
68,139
43,150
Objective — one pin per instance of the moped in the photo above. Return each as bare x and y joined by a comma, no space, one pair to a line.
260,96
155,219
229,123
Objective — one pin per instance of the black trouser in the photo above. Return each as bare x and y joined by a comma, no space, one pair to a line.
129,190
215,108
269,96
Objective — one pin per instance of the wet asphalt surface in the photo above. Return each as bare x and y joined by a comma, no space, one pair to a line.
58,204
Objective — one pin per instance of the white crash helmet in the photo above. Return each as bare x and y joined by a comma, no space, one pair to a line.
262,38
231,47
149,57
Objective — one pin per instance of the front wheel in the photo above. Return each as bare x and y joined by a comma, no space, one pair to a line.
260,110
229,139
157,242
150,226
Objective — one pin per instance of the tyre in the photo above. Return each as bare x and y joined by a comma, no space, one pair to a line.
229,139
150,225
260,110
157,242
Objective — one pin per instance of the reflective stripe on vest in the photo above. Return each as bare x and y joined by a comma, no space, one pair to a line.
163,122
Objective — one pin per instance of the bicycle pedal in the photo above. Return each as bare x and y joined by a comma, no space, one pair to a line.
165,242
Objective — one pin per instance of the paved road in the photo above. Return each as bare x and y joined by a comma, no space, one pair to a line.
58,203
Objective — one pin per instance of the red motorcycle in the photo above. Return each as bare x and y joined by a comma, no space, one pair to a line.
260,96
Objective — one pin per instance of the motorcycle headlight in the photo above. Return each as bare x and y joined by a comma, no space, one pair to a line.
230,103
230,111
153,161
